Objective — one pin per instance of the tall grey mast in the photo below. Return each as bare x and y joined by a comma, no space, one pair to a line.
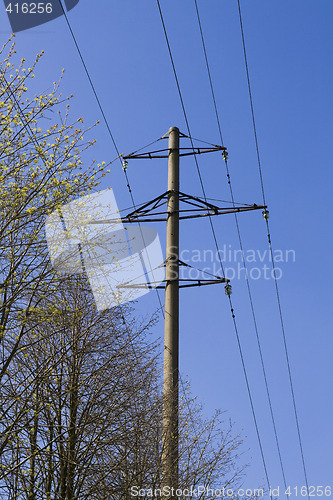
150,212
171,329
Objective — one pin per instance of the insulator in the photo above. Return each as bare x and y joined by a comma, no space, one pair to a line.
125,164
265,214
228,289
225,155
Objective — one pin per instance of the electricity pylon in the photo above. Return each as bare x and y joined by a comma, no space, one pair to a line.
147,213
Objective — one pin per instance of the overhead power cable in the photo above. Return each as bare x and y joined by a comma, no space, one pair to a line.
216,244
109,131
271,248
241,246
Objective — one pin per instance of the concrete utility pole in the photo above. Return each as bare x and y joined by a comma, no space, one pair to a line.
150,212
171,329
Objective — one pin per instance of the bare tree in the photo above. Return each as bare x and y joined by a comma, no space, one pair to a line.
96,376
40,169
93,423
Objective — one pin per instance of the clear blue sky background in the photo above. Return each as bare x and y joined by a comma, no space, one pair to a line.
289,46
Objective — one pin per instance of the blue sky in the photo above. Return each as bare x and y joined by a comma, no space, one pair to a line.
289,46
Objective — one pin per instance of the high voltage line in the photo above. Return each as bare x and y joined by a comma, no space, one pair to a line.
241,246
271,248
109,130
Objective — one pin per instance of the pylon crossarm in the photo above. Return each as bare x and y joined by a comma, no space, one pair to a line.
191,214
139,216
164,153
183,283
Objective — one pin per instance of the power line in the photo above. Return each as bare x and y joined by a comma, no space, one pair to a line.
216,244
89,78
108,128
271,247
241,246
